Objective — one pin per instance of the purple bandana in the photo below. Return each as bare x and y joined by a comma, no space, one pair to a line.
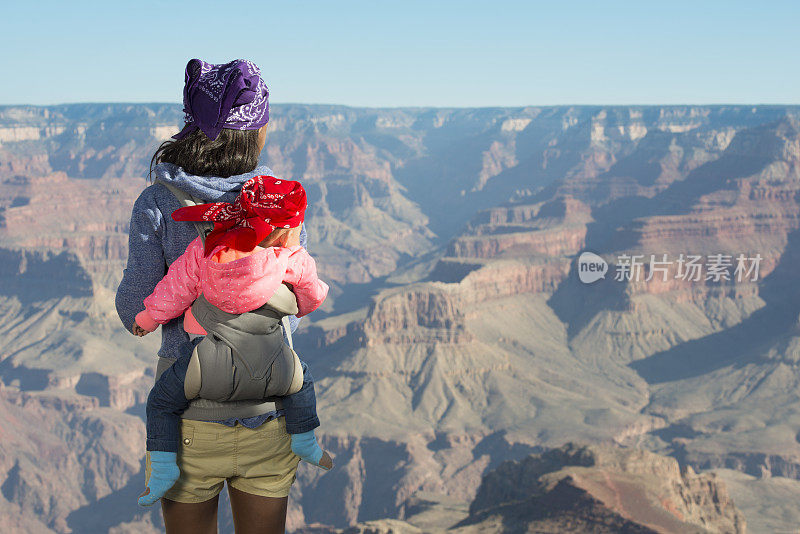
231,96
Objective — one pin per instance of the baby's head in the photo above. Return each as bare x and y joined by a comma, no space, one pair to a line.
267,210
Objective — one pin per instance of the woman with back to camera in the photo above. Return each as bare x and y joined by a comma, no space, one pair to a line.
242,442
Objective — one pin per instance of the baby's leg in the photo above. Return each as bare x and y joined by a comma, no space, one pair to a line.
300,410
301,407
165,404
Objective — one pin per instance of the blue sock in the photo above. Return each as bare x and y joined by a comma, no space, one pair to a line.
306,447
164,473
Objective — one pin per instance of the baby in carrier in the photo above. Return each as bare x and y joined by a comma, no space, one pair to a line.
231,288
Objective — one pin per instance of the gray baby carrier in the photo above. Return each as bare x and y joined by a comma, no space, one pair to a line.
242,356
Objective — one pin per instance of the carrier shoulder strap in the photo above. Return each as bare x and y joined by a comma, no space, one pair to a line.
205,228
287,328
185,199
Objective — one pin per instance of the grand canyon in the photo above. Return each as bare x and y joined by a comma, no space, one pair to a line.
467,379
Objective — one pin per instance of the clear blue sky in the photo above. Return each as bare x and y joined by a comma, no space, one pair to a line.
409,53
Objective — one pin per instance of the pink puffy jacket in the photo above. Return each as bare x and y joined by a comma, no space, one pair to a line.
232,280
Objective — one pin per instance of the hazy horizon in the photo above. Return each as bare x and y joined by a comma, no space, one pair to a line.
488,106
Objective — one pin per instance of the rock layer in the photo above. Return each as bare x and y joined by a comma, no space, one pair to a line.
457,335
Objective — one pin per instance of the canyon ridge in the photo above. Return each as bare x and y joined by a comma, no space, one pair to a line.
459,347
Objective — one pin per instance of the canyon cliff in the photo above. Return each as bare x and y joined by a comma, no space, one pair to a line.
457,335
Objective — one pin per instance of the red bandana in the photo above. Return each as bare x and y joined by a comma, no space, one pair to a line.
264,204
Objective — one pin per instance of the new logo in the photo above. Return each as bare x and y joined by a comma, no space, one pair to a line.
591,267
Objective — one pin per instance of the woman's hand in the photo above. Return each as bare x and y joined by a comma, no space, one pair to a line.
139,331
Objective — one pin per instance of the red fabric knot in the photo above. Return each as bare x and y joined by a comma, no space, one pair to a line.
265,203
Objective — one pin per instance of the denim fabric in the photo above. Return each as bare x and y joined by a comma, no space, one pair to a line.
301,408
251,422
165,404
167,401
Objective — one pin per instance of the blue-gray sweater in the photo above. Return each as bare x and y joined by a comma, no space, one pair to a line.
155,241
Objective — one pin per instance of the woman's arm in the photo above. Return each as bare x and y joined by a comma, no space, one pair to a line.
303,236
176,291
146,264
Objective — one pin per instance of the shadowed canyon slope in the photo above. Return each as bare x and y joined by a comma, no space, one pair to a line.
458,334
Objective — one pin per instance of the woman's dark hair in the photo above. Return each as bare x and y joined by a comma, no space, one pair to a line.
232,152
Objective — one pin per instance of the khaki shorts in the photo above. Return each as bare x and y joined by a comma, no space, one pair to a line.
258,461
